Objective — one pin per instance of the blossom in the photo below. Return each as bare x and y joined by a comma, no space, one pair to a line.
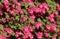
1,13
24,19
39,35
8,30
54,37
46,34
4,20
28,2
18,33
21,12
30,27
30,11
37,24
48,26
32,17
2,37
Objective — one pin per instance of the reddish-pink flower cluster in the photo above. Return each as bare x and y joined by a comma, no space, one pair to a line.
29,19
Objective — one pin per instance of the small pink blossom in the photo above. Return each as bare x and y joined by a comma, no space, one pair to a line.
48,26
18,33
32,17
30,11
53,28
25,29
40,6
46,34
37,24
54,37
39,35
21,12
3,20
1,13
8,30
2,37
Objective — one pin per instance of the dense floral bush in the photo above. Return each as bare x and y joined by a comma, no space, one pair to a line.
29,19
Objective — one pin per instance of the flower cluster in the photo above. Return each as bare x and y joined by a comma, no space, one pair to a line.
29,19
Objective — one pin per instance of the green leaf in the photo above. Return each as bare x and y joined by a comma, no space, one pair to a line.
38,19
31,21
5,33
1,27
17,18
49,11
0,20
26,5
58,26
36,3
25,11
51,3
22,4
58,37
43,38
51,35
48,22
14,27
1,1
58,22
13,33
44,20
21,26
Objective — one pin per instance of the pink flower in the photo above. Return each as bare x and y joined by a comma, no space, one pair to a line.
39,35
18,33
48,26
2,37
53,28
19,38
28,34
25,29
51,15
25,36
37,24
1,6
31,36
52,20
56,13
6,3
1,13
45,6
28,2
37,10
30,11
30,27
4,20
59,32
43,11
57,5
32,17
54,37
46,34
11,12
8,30
24,19
40,6
14,1
21,12
16,11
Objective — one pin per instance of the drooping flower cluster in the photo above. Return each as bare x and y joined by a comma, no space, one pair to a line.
29,19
